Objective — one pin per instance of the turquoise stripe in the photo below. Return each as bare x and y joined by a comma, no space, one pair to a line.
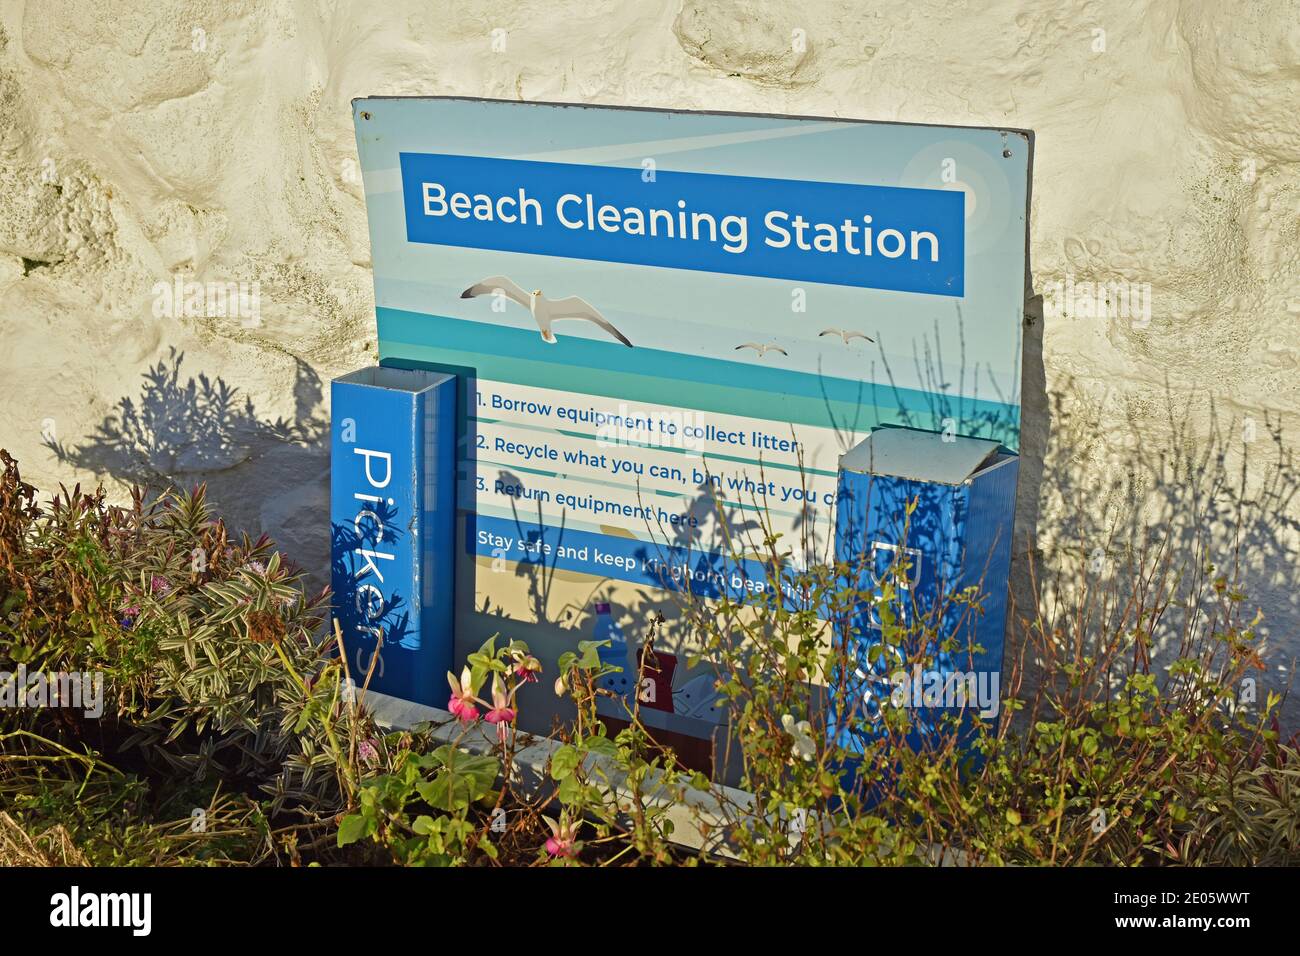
607,369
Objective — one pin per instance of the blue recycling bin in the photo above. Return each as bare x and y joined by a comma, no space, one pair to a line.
962,494
393,519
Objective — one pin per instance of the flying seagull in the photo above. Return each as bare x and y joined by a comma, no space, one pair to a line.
845,334
762,349
544,310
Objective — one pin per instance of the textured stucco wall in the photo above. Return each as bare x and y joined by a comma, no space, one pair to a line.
212,139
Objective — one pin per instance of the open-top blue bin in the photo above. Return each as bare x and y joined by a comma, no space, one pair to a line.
961,492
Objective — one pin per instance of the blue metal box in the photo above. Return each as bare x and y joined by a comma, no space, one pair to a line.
392,517
958,535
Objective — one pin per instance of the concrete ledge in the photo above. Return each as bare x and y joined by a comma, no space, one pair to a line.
702,819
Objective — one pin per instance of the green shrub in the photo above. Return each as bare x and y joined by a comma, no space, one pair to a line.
232,733
215,680
1101,756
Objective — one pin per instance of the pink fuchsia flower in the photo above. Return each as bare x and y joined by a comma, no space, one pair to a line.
500,713
368,753
527,668
160,585
463,699
563,839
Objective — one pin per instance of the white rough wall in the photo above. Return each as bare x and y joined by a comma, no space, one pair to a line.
213,140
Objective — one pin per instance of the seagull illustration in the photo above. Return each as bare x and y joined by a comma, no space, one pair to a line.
845,334
762,349
544,310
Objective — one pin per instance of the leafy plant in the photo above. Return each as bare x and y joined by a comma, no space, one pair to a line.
1099,756
235,734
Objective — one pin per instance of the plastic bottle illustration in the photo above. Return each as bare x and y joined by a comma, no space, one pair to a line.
607,629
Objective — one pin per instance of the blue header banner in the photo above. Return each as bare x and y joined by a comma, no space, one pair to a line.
878,237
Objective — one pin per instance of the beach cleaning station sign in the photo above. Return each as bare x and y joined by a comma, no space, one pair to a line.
652,315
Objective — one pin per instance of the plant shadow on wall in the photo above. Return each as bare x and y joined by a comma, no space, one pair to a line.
1177,492
187,430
